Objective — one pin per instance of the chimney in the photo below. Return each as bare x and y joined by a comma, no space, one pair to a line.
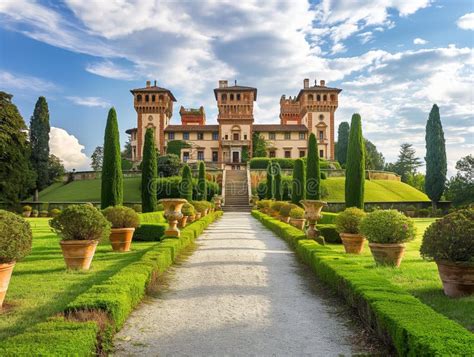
222,84
322,83
148,84
155,83
315,82
306,83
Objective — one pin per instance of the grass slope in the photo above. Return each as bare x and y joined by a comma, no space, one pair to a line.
375,191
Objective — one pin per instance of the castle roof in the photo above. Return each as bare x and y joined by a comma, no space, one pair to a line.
191,128
154,89
319,89
279,127
129,131
236,88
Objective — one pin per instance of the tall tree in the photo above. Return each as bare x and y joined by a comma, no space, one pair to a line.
259,145
149,172
202,185
278,184
97,158
112,178
270,185
299,182
355,165
313,171
460,188
39,141
436,165
342,141
169,165
16,174
56,169
374,159
186,185
407,162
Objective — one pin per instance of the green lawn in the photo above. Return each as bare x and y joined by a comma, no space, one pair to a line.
41,287
421,279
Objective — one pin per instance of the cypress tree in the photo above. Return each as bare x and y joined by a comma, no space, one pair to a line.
270,189
186,186
202,185
112,179
149,172
299,184
436,165
278,186
355,165
39,141
342,141
313,172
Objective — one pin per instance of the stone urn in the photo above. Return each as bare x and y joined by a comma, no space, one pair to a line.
218,202
173,213
312,213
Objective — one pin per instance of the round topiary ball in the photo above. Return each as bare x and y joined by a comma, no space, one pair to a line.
349,220
15,237
387,227
121,217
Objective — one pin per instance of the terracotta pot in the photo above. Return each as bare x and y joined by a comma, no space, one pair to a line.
121,239
298,223
182,222
457,278
192,218
353,243
387,254
198,215
26,213
78,254
285,219
6,270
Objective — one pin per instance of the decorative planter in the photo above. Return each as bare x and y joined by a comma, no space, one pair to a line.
192,218
26,213
312,212
298,223
78,254
457,278
182,222
218,202
387,254
173,214
6,270
34,214
198,215
285,219
121,239
353,243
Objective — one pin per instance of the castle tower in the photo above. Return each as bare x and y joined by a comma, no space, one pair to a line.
154,107
191,116
289,111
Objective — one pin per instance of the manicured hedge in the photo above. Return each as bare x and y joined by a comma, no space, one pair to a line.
288,164
169,187
328,218
152,227
328,231
399,319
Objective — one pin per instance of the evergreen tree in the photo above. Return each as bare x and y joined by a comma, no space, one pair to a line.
259,145
299,183
149,171
460,188
355,165
16,174
313,172
342,141
278,185
202,185
39,141
112,179
436,165
56,169
374,159
186,185
407,162
97,158
270,187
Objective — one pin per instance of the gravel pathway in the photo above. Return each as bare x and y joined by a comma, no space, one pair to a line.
241,293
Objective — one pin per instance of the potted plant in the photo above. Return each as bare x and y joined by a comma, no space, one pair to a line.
124,220
297,217
43,213
387,231
275,208
15,243
450,243
34,213
80,228
348,227
410,211
285,212
200,208
188,211
54,212
27,211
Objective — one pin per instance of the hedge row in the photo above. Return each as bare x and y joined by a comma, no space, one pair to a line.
152,227
169,187
288,164
399,319
116,297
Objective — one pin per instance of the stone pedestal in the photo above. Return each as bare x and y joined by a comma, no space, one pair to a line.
173,213
312,214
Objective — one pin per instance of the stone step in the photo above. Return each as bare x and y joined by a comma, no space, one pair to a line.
236,208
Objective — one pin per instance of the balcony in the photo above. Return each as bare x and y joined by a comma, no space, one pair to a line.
235,142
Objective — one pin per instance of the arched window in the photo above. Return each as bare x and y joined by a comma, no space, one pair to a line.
325,97
318,98
310,97
224,96
153,98
321,117
231,97
147,98
139,98
238,96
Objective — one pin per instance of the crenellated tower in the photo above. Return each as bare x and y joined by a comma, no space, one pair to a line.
289,111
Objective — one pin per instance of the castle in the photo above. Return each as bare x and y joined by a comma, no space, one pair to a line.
230,140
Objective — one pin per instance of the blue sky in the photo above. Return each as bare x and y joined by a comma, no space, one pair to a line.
392,58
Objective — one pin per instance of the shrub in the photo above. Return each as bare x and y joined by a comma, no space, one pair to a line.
329,232
261,163
138,208
81,222
149,171
200,206
43,213
297,213
276,205
54,212
160,207
27,208
201,186
186,184
410,208
121,217
450,238
35,213
15,237
188,209
424,212
323,176
349,220
299,183
152,227
387,226
270,184
355,165
278,187
286,208
262,204
313,173
328,218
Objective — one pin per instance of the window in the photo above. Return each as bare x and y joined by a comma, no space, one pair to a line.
231,97
200,136
287,154
321,117
321,135
215,135
224,97
201,155
325,97
215,156
170,136
302,153
302,136
238,96
271,136
153,98
139,98
321,153
185,135
185,156
236,136
226,137
310,97
287,136
245,136
147,98
161,98
318,98
272,153
333,97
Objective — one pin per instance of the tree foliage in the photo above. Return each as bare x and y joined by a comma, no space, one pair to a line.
355,165
374,159
313,171
259,145
460,188
407,162
97,158
112,178
169,165
202,187
175,146
342,141
278,183
416,180
270,185
186,185
299,182
436,164
39,141
56,169
149,172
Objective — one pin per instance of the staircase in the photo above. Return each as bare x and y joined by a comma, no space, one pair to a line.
236,191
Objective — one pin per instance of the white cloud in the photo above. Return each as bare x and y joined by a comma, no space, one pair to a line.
68,149
419,41
89,101
466,22
23,82
108,69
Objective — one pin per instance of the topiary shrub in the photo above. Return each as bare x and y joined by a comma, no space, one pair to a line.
387,226
264,204
200,206
15,237
54,212
27,208
329,232
34,213
188,210
423,212
286,208
349,220
276,205
121,217
43,213
297,213
137,208
81,222
450,238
